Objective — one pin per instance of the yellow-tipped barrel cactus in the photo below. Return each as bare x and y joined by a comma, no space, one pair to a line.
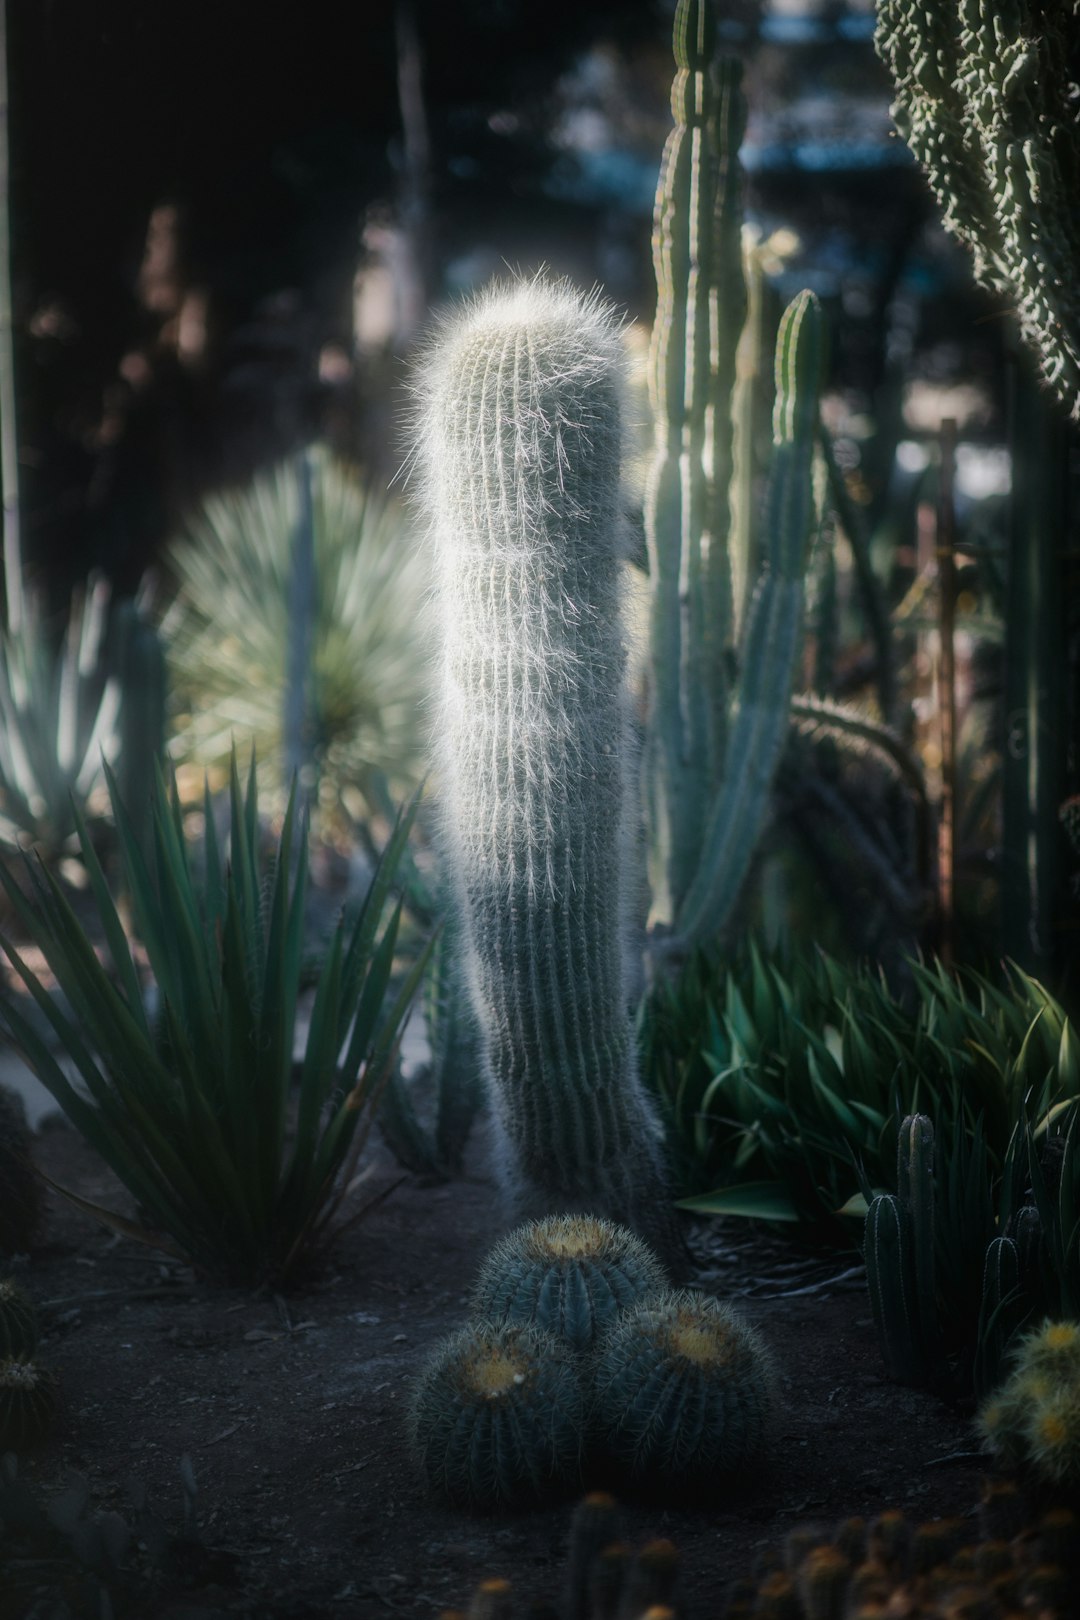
519,444
682,1392
497,1416
1033,1420
569,1274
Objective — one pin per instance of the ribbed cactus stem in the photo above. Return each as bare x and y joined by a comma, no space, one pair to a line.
772,632
916,1190
701,306
520,441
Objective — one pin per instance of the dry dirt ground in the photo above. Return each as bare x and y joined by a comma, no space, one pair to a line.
292,1413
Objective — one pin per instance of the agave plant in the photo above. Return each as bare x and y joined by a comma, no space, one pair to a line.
65,708
186,1094
299,592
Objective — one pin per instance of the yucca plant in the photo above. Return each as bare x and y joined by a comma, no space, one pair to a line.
350,678
186,1093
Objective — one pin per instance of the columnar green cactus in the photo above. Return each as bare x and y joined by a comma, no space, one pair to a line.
681,1391
709,772
985,100
898,1248
497,1415
521,432
569,1275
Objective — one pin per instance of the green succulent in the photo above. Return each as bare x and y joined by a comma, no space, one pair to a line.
68,702
184,1075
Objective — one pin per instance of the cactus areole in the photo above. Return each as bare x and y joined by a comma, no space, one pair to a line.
520,434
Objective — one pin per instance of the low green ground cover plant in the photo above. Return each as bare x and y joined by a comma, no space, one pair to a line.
183,1076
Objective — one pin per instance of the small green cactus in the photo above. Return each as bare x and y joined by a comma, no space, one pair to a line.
1033,1420
569,1275
681,1391
18,1321
498,1415
594,1579
28,1396
20,1207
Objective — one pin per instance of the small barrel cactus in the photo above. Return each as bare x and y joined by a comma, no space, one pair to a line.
682,1391
20,1207
1033,1420
18,1321
498,1415
28,1394
569,1275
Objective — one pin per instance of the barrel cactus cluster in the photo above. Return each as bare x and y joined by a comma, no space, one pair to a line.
581,1357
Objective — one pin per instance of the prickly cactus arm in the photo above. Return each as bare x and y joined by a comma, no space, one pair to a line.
701,305
773,631
985,101
520,445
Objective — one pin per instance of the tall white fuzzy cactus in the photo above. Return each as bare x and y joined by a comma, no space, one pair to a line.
519,442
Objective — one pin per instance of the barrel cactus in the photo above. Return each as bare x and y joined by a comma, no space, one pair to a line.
28,1395
1033,1420
569,1274
681,1392
497,1416
519,442
18,1321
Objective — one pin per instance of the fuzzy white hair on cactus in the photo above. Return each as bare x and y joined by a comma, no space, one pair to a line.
519,430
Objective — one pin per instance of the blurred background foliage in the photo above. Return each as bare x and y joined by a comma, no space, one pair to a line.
228,236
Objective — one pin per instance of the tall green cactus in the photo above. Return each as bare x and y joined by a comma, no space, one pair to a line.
520,441
987,103
713,744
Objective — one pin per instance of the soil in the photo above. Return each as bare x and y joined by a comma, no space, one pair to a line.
292,1412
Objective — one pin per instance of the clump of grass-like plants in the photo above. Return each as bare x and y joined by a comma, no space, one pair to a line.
183,1076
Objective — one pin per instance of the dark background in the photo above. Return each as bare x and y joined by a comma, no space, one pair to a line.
273,135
